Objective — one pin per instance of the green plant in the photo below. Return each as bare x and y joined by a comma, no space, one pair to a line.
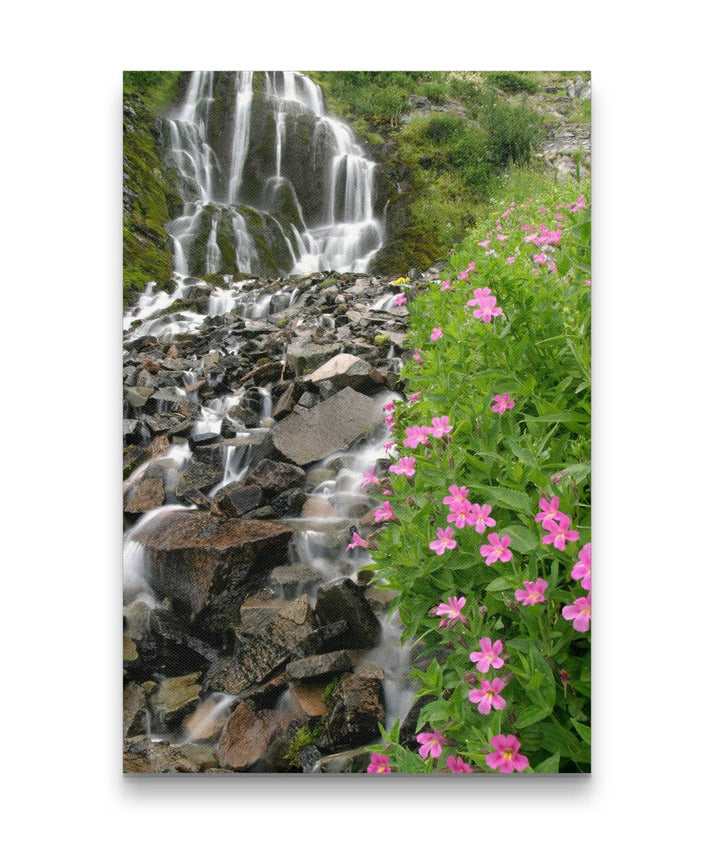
304,737
511,81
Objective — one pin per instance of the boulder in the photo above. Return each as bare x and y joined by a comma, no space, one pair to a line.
143,755
304,357
207,562
274,477
150,494
353,761
343,599
356,707
134,711
198,475
319,666
348,370
174,698
235,499
333,425
247,735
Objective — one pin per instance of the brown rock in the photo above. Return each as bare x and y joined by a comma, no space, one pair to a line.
174,696
134,710
247,735
316,506
319,666
348,370
310,698
150,494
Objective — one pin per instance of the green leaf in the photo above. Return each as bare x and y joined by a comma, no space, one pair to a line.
582,730
522,539
549,765
507,497
531,714
499,584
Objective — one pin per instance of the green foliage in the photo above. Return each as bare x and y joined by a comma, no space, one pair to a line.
538,352
511,81
304,737
157,88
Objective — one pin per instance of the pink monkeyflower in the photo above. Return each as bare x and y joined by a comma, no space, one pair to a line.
445,541
560,531
532,593
483,520
485,302
400,300
502,403
457,494
463,274
431,743
488,655
389,407
388,445
457,765
418,358
583,568
579,613
552,267
440,426
588,282
471,267
580,203
539,258
369,477
387,493
357,541
542,209
453,610
484,244
379,764
414,396
445,285
502,239
488,697
404,467
462,514
496,548
548,510
417,435
390,421
436,334
385,512
506,757
510,260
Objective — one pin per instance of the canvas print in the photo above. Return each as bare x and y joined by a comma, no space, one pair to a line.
356,422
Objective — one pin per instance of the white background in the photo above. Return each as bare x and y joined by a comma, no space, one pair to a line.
655,281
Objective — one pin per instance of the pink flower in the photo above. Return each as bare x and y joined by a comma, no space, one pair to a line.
414,396
496,548
436,334
387,493
463,274
379,764
390,421
445,541
370,478
552,267
388,445
404,467
471,267
483,244
560,531
548,510
431,743
579,613
506,758
502,403
418,359
417,435
453,610
445,286
462,515
539,258
533,592
357,541
400,300
440,426
389,407
488,655
583,567
483,520
580,203
488,696
457,765
510,260
502,239
485,302
456,494
385,512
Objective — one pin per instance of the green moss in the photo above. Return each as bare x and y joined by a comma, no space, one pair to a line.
304,737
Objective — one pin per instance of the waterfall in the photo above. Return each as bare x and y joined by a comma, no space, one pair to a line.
270,183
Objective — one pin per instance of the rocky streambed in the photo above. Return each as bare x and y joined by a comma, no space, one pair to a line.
253,640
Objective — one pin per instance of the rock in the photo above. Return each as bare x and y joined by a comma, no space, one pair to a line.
266,695
137,396
169,646
202,440
293,577
208,718
304,357
354,761
308,757
129,650
310,698
134,710
150,494
319,666
247,735
316,506
274,477
285,403
198,476
290,503
142,755
348,370
328,427
174,696
356,708
343,599
204,561
235,499
133,457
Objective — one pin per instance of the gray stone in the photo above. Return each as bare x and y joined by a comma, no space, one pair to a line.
343,599
150,494
304,357
198,476
347,370
319,666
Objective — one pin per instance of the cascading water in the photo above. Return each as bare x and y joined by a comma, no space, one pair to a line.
270,183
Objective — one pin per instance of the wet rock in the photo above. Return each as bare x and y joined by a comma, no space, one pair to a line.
150,494
202,440
198,475
207,562
316,506
310,697
274,477
167,645
208,719
266,695
174,697
353,761
328,637
343,599
356,707
134,710
289,503
308,757
293,577
235,499
348,370
319,666
133,457
304,357
129,649
142,755
171,424
137,396
285,403
328,427
247,735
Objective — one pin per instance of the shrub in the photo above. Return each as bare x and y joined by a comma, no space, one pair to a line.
511,81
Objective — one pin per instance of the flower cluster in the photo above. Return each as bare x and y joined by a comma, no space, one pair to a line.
486,304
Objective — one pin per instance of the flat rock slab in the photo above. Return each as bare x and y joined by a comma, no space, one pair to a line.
150,494
247,735
197,557
348,370
329,427
319,666
304,356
